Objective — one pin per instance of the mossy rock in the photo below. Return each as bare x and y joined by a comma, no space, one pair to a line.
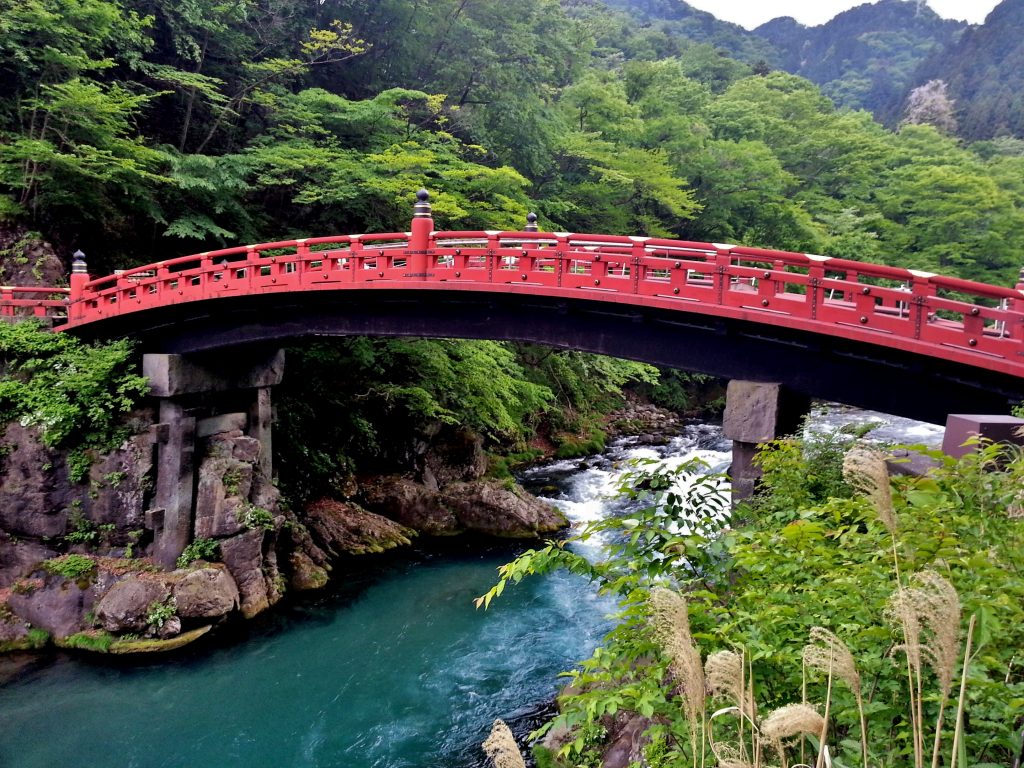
158,646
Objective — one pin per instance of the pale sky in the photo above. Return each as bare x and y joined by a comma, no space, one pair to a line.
751,13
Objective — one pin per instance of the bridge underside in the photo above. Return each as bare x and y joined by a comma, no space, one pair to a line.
868,376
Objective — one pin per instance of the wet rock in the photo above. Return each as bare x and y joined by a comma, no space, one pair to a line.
218,493
346,528
18,558
34,492
409,503
496,509
304,573
118,484
453,454
125,607
170,628
13,631
206,593
626,736
27,260
243,556
58,606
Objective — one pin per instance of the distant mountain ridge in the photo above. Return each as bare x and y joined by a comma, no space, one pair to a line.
866,57
984,69
676,17
872,56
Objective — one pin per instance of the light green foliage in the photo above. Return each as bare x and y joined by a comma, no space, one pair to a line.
92,640
83,530
812,552
375,390
159,613
71,567
253,518
74,392
199,549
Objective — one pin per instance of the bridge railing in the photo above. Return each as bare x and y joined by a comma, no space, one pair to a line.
972,322
33,301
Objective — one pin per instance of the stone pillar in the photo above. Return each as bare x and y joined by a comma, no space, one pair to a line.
756,413
175,479
260,418
960,427
177,380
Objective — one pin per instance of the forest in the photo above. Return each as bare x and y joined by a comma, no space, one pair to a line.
147,129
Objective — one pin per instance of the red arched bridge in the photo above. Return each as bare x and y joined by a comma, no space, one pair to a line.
899,340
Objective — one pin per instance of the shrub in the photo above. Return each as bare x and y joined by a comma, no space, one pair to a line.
159,613
200,549
253,517
826,560
71,567
76,393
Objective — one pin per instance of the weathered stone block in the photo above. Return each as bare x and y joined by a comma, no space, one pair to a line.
126,605
960,427
175,375
216,425
206,594
247,449
243,556
756,412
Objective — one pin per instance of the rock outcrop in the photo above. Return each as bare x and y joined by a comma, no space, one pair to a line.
489,507
126,606
238,520
345,528
206,593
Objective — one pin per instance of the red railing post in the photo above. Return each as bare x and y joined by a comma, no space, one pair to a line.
79,279
419,241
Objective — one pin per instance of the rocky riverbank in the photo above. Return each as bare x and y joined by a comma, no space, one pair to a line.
75,566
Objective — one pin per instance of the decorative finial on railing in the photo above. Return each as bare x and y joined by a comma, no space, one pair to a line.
531,222
422,209
78,263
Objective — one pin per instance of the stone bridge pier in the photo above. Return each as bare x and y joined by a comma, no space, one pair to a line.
201,397
756,412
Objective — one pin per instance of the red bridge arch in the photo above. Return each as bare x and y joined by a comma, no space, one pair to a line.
835,328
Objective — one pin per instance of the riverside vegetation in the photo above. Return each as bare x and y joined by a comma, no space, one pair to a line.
839,618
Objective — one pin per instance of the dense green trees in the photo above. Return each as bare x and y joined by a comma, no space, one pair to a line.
146,128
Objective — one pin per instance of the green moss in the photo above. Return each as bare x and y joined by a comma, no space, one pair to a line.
34,640
502,467
571,446
71,567
91,640
157,646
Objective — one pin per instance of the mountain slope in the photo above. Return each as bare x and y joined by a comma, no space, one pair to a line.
866,57
676,18
985,74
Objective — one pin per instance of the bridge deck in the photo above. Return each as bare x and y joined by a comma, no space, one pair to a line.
958,320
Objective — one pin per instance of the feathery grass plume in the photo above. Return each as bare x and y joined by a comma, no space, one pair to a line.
901,612
728,757
825,646
791,720
864,468
671,617
939,611
723,671
501,747
825,649
726,679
